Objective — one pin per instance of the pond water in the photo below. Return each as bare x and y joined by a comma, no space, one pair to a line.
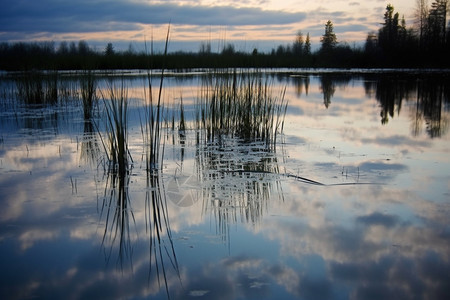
351,202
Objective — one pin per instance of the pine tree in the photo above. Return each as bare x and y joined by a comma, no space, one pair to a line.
307,46
297,47
328,40
388,34
436,24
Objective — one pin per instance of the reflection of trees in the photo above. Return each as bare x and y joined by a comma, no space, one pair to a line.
237,180
328,84
430,93
390,94
301,83
431,97
328,88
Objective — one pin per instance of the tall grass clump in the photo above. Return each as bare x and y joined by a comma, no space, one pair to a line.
38,87
116,140
156,211
88,93
241,105
152,117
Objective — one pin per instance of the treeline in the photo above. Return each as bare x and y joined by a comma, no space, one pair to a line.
79,56
425,45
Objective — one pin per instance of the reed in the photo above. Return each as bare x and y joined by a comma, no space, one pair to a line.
116,206
156,211
151,119
240,105
88,93
68,89
116,141
38,87
182,120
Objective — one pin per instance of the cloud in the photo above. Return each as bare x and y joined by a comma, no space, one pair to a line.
352,28
108,15
379,219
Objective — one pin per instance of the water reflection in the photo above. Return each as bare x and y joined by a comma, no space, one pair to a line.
161,251
369,250
426,98
117,213
301,83
432,98
116,210
90,148
222,220
238,179
430,94
328,84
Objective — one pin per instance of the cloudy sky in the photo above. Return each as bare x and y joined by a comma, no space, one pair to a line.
263,24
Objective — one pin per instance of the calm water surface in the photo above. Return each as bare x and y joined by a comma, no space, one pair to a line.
242,222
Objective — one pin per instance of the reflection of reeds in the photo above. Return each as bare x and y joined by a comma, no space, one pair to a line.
239,119
238,180
157,216
116,210
240,105
158,229
116,203
89,144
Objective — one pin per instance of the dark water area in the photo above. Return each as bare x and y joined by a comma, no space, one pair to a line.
351,202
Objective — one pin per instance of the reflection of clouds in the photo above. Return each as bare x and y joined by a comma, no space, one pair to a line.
38,195
294,140
28,238
377,218
84,276
380,254
45,190
366,241
396,277
285,276
381,169
397,140
245,277
85,231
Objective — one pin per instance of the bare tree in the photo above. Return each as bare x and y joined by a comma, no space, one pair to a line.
421,15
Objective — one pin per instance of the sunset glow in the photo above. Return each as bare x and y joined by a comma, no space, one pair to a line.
261,24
